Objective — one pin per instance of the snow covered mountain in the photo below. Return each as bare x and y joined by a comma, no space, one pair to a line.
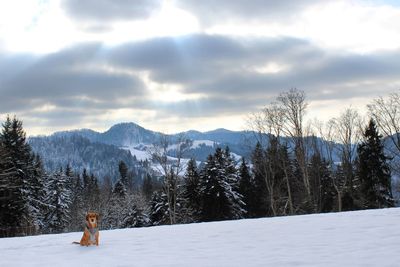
89,149
358,238
122,134
80,153
131,137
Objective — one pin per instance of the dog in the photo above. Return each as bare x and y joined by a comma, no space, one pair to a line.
91,232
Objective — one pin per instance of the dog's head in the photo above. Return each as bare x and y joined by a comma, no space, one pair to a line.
92,219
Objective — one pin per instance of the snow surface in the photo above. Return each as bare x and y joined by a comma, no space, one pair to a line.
362,238
140,154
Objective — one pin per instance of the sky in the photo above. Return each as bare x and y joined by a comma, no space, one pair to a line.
175,65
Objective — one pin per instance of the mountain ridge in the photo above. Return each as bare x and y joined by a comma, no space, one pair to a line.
72,146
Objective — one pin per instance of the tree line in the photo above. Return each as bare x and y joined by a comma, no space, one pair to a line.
294,168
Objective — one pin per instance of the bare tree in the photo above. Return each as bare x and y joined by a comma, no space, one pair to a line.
168,155
347,132
294,105
386,113
268,125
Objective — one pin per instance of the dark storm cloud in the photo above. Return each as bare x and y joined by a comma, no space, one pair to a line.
209,11
106,10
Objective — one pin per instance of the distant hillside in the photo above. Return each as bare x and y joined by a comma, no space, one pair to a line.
101,152
122,134
80,153
132,137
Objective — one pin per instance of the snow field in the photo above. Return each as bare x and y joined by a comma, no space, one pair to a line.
360,238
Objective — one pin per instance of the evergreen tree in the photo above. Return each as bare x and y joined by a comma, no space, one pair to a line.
90,192
191,189
116,206
132,215
123,171
373,170
219,201
260,187
86,180
159,209
59,199
22,178
147,188
120,190
287,186
12,205
122,210
322,189
94,194
301,200
77,205
230,168
247,189
275,177
37,192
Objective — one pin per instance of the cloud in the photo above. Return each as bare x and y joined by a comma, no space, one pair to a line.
108,10
224,76
223,66
214,12
64,79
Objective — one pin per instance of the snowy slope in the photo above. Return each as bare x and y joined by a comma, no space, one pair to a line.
363,238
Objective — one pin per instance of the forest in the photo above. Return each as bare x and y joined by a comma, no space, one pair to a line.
297,167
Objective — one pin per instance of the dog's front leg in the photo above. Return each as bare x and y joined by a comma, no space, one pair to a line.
97,238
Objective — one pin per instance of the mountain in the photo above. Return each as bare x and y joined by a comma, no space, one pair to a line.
357,238
74,149
122,134
100,153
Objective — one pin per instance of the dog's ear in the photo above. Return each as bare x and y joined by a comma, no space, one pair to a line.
97,217
87,216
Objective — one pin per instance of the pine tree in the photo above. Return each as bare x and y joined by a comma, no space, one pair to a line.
94,194
159,209
59,198
132,215
231,172
322,189
247,189
23,181
123,171
86,179
230,168
191,189
37,192
373,170
77,205
90,192
117,206
12,205
289,181
260,187
147,188
219,201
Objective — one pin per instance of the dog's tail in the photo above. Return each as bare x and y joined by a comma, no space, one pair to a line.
77,243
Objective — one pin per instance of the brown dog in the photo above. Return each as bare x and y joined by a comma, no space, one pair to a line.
91,232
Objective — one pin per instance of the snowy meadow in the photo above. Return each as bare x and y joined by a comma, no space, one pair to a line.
358,238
